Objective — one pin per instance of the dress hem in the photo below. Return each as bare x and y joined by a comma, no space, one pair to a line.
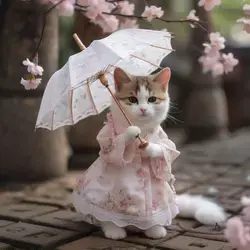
94,215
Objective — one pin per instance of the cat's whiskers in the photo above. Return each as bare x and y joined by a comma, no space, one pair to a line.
173,119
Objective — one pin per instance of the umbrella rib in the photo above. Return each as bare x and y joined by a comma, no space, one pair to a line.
146,61
71,106
91,98
159,47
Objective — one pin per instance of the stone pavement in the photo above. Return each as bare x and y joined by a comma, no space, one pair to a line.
40,216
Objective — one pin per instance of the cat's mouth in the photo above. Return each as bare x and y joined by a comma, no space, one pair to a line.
144,116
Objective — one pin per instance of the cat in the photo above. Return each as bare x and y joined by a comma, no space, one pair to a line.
146,102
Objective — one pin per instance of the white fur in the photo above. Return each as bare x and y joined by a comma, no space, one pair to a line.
156,232
197,207
155,113
112,231
152,150
201,209
131,133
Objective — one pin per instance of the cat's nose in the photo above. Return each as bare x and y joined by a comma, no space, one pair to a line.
143,110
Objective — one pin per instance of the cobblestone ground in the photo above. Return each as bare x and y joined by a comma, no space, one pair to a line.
40,216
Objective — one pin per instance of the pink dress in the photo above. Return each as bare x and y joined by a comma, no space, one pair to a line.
125,188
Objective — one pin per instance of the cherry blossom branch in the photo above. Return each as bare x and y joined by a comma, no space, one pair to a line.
191,21
112,15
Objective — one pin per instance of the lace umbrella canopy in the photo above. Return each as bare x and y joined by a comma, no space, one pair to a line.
77,91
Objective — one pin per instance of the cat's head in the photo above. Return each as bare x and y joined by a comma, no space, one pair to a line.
145,99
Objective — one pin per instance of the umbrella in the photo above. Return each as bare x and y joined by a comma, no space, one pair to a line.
82,87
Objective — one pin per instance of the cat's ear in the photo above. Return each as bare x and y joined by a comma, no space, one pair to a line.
121,77
163,77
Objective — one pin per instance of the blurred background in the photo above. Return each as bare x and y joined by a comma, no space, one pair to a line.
202,108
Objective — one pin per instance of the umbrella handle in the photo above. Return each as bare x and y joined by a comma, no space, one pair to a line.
104,82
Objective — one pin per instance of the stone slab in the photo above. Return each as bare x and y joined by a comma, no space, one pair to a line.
194,175
191,243
4,246
238,181
23,211
245,192
99,243
184,223
4,223
183,186
208,232
230,205
238,171
143,240
64,219
62,202
239,156
29,235
217,169
222,190
140,238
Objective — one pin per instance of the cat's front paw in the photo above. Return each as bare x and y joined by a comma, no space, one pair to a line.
131,133
156,232
152,150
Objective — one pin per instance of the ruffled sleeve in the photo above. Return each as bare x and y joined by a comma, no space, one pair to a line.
114,149
161,166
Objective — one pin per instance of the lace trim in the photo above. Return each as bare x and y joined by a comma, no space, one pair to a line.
88,210
67,121
111,122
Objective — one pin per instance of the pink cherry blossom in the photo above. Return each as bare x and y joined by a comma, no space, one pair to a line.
217,69
237,230
96,8
207,63
246,213
129,24
84,2
108,23
193,17
246,23
127,8
66,8
211,51
229,62
29,64
246,9
235,233
33,68
217,40
152,12
31,84
209,4
245,201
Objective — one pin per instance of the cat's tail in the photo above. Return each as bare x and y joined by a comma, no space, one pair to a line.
200,208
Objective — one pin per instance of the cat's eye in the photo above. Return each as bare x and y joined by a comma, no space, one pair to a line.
133,99
152,99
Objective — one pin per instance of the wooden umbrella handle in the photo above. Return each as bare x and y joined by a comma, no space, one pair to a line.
104,82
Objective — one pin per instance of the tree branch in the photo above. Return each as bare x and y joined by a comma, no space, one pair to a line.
83,9
44,24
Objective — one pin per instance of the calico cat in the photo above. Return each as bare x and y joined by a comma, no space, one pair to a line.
128,187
